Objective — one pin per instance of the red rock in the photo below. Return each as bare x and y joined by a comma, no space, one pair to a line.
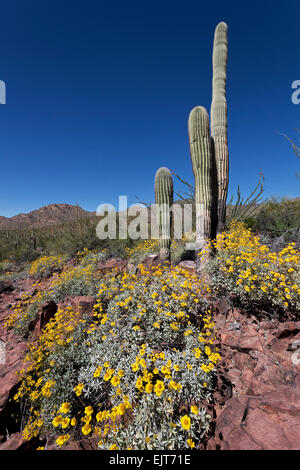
81,303
113,264
222,306
46,312
188,266
250,342
266,431
16,442
8,371
231,416
288,329
5,286
257,361
234,373
240,440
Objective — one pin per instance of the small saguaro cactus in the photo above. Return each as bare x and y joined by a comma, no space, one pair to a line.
164,200
202,162
218,113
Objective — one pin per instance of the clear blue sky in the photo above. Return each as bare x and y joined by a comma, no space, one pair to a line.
99,93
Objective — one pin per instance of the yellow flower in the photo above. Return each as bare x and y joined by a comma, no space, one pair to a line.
148,388
88,410
78,389
195,410
115,381
191,443
86,429
62,440
185,422
97,371
65,408
188,332
139,383
57,421
159,388
65,423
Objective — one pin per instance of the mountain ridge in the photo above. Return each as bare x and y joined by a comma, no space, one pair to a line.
50,214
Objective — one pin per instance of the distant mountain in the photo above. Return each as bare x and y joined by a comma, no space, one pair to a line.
52,214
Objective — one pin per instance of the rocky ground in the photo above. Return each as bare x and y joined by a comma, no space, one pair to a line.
256,405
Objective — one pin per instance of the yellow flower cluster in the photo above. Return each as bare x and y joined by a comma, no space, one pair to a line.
254,272
142,248
159,302
46,265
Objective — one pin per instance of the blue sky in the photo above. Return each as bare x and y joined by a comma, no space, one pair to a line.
99,93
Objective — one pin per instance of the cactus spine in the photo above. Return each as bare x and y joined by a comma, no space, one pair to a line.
202,162
218,114
164,199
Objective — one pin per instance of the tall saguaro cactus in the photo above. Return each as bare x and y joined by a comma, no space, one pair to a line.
164,200
202,162
218,114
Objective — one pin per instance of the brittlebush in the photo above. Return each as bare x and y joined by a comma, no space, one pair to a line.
246,269
46,265
135,374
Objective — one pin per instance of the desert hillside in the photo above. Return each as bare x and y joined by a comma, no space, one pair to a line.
51,214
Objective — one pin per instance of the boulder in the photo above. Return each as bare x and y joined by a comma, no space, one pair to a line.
260,361
16,442
113,264
82,303
46,312
6,286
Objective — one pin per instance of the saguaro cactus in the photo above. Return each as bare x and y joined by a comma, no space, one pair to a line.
201,155
164,200
218,115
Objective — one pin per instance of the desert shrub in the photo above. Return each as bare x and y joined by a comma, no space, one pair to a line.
25,310
246,270
76,280
141,249
278,220
91,257
6,266
46,265
136,375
